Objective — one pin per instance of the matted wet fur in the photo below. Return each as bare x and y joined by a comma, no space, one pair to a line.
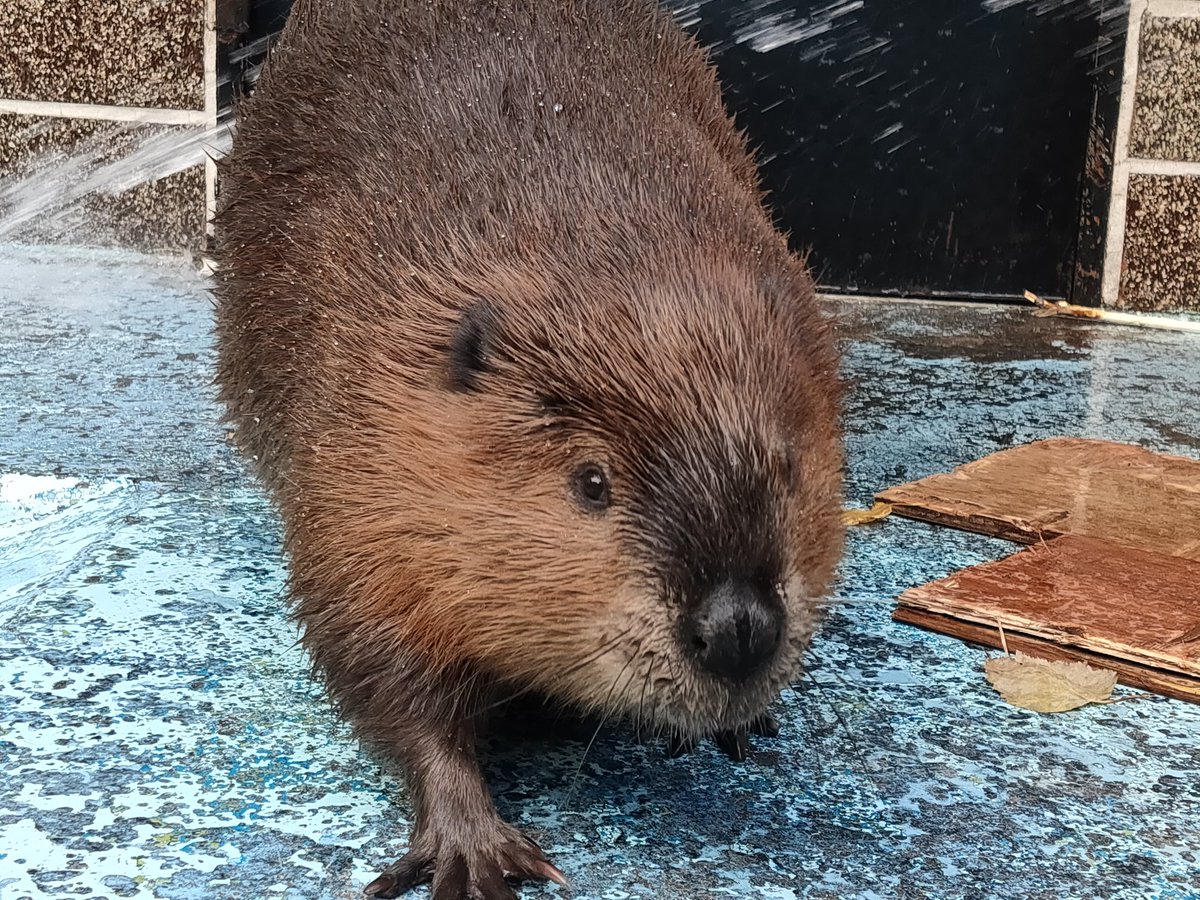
542,395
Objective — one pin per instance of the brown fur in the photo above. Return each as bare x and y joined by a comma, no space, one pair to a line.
565,167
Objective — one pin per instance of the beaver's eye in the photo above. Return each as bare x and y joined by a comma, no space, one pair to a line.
591,487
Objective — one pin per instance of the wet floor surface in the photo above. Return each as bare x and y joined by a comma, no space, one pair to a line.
160,737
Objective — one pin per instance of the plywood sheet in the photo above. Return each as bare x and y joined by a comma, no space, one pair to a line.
1132,611
1117,492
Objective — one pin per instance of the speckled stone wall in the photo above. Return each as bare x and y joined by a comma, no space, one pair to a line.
1160,252
115,52
64,181
85,85
1162,242
1166,113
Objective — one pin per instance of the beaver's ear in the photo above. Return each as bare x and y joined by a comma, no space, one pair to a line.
470,346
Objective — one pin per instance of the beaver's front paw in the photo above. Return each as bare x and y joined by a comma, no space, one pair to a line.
734,743
463,867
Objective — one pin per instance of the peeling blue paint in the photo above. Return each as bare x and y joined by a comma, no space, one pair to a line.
161,738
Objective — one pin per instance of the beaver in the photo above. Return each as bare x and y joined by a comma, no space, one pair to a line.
544,398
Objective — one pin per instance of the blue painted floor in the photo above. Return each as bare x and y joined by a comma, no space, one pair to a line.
159,736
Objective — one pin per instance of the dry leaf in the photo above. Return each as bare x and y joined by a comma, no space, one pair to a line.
1045,685
853,517
1063,308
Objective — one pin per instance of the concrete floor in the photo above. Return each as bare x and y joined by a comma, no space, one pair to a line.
160,738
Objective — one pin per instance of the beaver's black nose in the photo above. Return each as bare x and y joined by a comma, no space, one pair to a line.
736,629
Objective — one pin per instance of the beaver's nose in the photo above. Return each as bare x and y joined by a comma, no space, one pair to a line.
736,629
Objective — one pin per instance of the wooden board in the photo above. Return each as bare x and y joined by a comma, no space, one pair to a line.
1132,611
1146,678
1118,492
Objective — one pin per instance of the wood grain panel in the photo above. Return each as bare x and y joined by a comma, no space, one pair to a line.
1117,492
1132,611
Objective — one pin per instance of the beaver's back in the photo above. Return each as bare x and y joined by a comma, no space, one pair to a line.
396,151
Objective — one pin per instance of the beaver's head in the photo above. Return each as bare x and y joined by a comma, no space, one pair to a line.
626,497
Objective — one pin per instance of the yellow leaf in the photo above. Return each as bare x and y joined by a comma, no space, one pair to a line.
853,517
1047,686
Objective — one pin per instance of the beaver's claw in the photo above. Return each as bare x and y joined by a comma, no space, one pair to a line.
414,868
479,873
734,743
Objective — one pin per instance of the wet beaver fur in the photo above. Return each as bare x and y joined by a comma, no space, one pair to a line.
544,399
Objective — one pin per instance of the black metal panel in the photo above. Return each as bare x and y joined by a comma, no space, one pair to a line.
245,31
916,147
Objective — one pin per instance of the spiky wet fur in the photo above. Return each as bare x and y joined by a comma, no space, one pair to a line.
559,179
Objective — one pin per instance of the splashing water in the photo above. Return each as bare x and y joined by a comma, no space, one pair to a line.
52,193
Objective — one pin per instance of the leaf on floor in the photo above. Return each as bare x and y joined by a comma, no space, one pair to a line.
853,517
1047,686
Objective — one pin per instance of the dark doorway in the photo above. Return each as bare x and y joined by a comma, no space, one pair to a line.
928,147
916,147
245,31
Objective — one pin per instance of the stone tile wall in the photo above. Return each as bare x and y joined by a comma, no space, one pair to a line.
1153,255
92,93
101,108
